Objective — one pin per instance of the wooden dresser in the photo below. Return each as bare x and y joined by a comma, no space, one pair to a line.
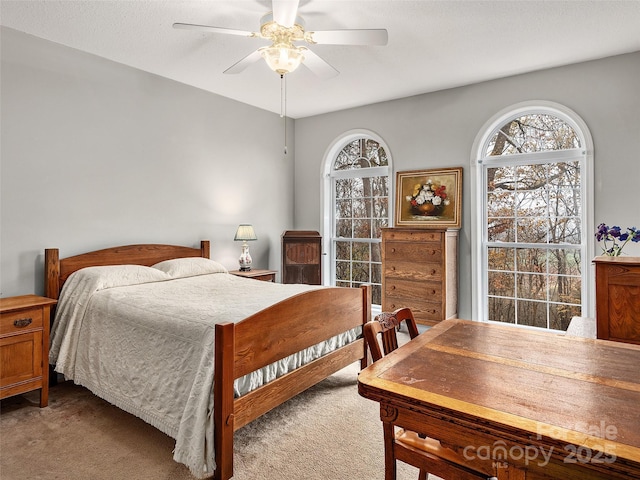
419,271
24,345
618,298
301,257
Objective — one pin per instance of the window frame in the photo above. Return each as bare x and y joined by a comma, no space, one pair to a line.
478,218
328,194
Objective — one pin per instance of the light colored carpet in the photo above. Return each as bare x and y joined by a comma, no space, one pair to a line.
327,433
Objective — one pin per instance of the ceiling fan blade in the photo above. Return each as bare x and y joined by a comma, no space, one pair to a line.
350,37
317,65
206,28
238,67
285,12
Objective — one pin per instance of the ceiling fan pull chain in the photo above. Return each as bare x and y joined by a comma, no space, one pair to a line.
283,107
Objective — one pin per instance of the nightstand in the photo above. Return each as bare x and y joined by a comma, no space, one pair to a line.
24,345
264,275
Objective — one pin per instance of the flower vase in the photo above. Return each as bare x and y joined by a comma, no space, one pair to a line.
427,209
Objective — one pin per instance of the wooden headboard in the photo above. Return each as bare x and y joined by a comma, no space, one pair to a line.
57,270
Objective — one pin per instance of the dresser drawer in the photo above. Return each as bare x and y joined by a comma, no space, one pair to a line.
412,236
21,321
429,291
431,272
423,310
428,252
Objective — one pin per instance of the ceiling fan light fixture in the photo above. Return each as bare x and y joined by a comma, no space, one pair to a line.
283,58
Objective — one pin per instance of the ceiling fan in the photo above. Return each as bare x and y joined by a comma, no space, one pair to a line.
283,27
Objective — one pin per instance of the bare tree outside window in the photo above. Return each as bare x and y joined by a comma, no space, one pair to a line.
534,221
361,210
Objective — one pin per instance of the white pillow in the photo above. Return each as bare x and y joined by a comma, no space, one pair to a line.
99,278
189,267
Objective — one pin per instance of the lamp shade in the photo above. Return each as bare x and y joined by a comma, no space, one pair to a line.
245,233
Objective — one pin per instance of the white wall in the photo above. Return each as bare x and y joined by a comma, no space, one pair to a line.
97,154
438,129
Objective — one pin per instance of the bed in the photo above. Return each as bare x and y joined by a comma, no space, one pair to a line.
321,325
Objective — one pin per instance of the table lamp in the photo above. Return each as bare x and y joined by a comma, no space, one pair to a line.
244,234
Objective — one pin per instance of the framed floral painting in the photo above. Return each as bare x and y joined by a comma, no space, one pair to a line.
429,198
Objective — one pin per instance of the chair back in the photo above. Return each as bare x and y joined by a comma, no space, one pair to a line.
386,324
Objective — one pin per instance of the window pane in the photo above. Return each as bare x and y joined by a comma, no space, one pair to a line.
343,250
531,230
501,230
378,225
343,228
343,188
360,208
533,314
379,187
532,260
533,133
343,209
565,289
532,286
360,252
501,284
502,310
564,230
360,272
565,261
381,208
343,271
376,294
357,187
560,315
362,228
376,256
376,272
501,258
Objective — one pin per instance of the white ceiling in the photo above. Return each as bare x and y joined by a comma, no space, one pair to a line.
433,44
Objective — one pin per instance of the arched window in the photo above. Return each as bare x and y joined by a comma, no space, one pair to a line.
356,190
532,228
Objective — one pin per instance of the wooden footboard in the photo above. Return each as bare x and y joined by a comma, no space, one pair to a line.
270,335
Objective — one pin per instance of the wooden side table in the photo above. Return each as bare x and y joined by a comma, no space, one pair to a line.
264,275
618,298
24,345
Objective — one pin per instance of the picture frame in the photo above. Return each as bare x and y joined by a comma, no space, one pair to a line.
429,198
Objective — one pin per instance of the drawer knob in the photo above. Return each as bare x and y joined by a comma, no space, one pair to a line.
22,322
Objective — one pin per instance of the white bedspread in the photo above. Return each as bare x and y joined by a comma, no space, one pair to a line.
145,342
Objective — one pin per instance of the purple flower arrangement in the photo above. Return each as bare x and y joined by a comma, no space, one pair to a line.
614,239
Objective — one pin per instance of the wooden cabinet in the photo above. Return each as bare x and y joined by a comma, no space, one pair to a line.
301,257
257,274
24,345
618,298
419,271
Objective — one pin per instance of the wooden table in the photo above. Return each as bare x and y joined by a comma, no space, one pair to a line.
531,404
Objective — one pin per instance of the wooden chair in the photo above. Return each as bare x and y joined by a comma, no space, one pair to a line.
425,453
